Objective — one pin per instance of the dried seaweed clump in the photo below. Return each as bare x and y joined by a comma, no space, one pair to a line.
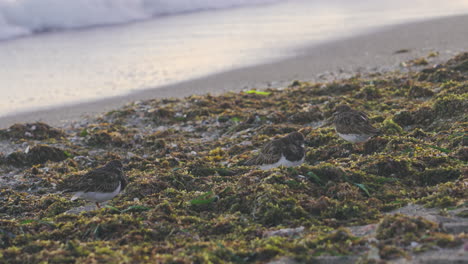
38,131
400,233
36,155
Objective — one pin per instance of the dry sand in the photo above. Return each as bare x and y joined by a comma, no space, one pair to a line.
374,51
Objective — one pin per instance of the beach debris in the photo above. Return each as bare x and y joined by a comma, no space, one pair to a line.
257,92
402,51
285,232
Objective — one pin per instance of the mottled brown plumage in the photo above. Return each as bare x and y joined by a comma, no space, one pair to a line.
352,125
100,184
286,151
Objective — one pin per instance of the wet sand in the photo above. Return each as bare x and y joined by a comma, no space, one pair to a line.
373,51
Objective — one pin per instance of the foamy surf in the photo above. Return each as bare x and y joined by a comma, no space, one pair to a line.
25,17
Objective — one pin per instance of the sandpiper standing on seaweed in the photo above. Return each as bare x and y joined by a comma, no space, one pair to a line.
98,185
287,151
352,125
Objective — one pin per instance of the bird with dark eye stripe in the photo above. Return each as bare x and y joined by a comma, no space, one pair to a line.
98,185
353,126
287,151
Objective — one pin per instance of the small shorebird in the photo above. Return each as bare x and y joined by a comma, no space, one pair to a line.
98,185
352,125
287,151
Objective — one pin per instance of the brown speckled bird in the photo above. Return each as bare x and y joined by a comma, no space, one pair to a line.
287,151
98,185
352,125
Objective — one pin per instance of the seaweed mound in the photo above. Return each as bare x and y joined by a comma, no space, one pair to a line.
36,155
190,199
37,131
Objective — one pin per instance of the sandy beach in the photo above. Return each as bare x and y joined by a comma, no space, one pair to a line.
187,178
374,51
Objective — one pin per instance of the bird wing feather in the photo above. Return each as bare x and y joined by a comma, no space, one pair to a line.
270,153
355,123
294,152
98,180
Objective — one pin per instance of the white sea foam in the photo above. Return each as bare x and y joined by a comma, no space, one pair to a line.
23,17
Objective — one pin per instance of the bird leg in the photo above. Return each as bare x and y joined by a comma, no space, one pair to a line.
98,206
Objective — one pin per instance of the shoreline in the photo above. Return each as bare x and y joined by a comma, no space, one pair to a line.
374,51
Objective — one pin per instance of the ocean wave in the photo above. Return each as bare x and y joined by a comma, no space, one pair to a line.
24,17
